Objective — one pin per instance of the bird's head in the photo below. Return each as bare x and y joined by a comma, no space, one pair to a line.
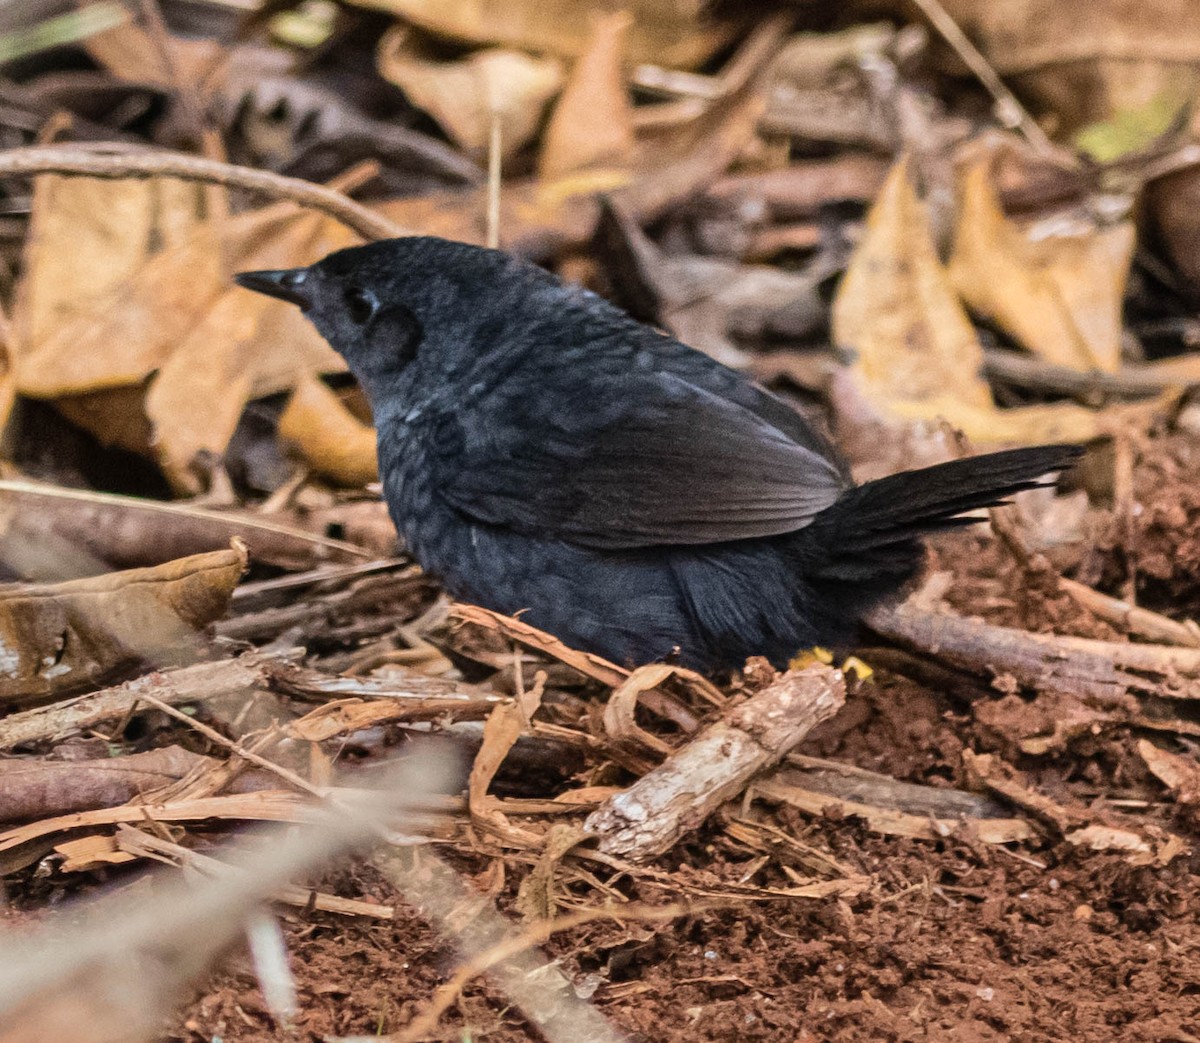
411,315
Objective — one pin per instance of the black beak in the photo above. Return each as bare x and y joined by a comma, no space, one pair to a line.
285,283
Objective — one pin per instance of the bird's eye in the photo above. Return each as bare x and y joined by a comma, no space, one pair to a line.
360,305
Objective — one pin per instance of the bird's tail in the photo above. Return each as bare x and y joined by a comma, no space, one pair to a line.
869,539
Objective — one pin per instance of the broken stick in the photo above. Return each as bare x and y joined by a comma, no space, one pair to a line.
651,815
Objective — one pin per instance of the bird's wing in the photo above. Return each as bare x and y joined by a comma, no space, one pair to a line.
650,460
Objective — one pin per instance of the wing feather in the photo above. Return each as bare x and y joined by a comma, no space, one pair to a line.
652,460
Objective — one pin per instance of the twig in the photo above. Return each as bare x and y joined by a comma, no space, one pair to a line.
493,183
1104,671
1010,111
113,163
236,749
188,684
652,814
1132,381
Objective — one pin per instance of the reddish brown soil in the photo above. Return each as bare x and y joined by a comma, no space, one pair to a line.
955,941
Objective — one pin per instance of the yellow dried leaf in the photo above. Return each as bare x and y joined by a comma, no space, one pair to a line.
913,352
1060,296
60,637
337,445
462,95
592,124
896,313
87,237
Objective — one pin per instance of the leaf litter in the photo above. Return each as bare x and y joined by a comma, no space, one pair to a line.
988,837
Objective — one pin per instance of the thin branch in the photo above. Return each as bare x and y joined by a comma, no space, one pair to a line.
1010,111
111,164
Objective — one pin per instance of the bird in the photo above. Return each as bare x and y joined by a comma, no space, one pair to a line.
544,454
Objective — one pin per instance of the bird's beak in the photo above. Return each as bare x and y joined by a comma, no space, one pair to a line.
285,283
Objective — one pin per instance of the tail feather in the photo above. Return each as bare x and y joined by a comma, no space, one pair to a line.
872,533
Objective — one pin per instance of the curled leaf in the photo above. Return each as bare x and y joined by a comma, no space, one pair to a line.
60,637
462,95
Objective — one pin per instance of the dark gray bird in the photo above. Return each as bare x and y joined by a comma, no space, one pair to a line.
542,452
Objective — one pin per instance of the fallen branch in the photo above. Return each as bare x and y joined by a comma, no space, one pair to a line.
1105,671
889,821
677,796
40,787
116,162
188,684
1132,381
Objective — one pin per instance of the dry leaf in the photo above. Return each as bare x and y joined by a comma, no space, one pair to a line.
1085,62
1060,296
337,445
245,345
500,733
669,32
592,124
619,720
131,53
462,95
107,300
914,354
60,637
87,237
896,312
1179,774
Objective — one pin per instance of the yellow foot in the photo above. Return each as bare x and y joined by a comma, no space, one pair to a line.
823,655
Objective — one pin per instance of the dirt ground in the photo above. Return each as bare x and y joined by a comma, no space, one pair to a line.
954,940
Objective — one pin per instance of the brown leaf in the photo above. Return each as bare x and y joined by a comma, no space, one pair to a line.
337,445
592,124
87,238
619,720
500,733
60,637
244,346
462,95
593,666
671,32
131,53
104,304
914,352
1059,296
1179,774
1084,62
